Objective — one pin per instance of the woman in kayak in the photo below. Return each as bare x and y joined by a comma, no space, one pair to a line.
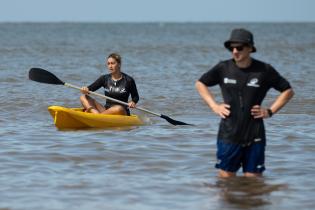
117,84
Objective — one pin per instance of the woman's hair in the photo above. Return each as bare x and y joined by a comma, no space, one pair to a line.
115,56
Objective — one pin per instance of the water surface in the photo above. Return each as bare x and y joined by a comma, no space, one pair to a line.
157,166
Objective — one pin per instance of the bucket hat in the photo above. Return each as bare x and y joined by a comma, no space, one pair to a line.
241,35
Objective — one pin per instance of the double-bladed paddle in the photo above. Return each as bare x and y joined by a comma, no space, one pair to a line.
44,76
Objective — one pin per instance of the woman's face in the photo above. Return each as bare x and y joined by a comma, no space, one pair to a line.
112,65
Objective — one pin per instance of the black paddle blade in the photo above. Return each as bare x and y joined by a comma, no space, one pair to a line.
44,76
172,121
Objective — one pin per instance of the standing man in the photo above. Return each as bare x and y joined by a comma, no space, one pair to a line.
244,83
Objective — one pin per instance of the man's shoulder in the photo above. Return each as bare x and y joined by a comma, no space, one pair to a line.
263,67
261,64
223,64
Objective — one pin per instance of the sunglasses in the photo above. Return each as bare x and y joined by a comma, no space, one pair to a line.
238,48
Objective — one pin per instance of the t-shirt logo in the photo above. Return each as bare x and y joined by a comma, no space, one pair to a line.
229,81
253,83
117,90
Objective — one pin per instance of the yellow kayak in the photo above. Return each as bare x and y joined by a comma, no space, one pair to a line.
75,118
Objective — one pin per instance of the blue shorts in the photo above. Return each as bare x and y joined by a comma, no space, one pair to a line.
230,157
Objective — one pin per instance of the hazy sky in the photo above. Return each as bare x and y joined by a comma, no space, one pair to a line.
158,10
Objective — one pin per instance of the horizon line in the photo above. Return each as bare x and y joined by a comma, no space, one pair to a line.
157,22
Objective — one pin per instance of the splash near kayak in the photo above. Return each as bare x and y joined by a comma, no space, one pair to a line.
76,118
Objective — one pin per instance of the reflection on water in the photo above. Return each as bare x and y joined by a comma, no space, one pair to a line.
244,192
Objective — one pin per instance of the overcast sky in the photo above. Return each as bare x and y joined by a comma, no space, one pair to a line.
157,10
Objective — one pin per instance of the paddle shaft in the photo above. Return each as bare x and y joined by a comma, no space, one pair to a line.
112,99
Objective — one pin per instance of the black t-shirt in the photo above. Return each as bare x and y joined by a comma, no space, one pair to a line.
119,90
242,89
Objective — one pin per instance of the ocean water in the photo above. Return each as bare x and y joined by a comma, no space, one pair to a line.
156,166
